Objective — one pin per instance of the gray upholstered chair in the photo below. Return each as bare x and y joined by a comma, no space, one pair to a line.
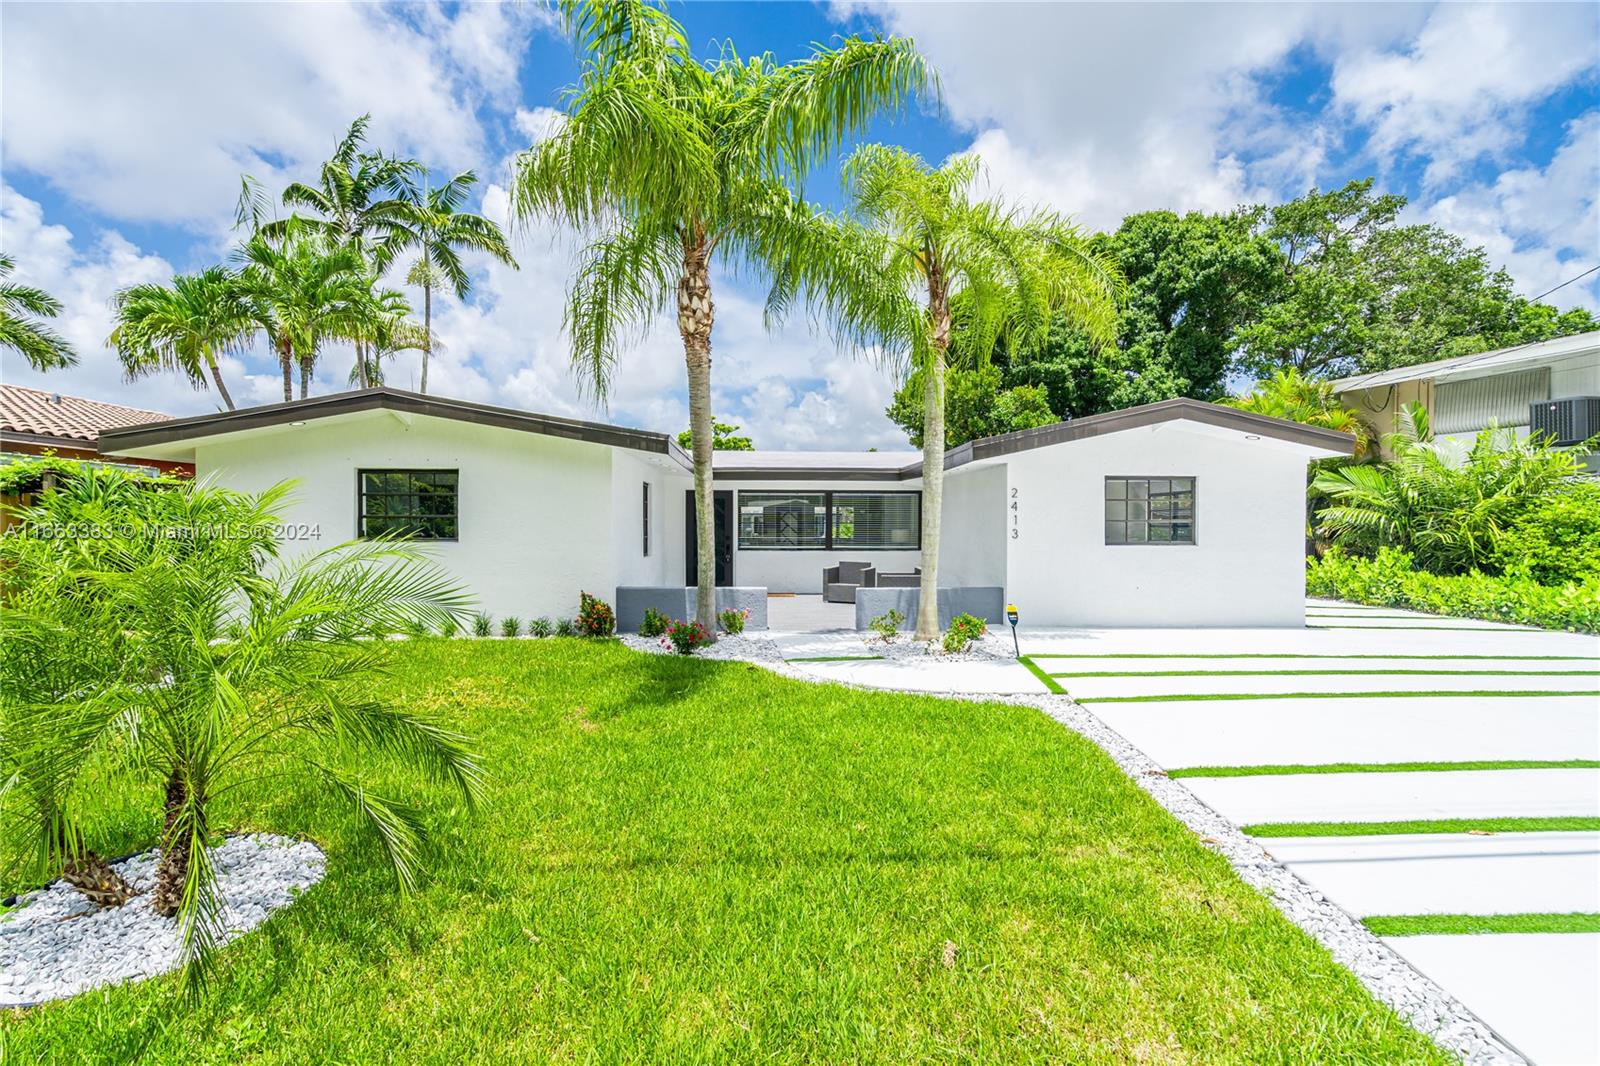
911,580
839,583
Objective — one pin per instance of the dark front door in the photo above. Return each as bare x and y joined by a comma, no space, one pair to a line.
722,507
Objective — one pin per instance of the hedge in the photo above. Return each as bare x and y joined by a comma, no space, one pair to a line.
1391,579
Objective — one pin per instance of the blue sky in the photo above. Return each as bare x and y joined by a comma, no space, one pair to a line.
124,128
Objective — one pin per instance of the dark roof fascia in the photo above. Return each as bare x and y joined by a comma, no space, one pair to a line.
130,438
809,473
1136,417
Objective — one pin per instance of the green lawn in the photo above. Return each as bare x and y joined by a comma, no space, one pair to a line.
685,861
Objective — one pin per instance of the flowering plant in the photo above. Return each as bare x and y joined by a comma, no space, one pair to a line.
733,621
684,637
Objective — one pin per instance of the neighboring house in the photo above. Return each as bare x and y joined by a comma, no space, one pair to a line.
1177,513
34,422
1468,393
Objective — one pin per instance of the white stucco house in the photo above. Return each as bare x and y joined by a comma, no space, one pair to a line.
1176,513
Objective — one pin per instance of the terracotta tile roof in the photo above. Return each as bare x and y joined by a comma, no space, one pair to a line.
50,414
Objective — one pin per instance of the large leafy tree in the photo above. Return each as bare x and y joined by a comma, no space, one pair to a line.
184,326
725,438
20,308
435,225
924,262
670,165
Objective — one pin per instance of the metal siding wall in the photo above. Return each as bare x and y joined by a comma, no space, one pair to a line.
1466,406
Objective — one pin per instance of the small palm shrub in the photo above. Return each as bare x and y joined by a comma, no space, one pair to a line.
887,625
450,627
964,629
595,616
566,628
482,625
510,626
417,628
654,624
685,636
540,627
732,621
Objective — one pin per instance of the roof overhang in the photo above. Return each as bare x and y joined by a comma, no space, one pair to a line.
159,437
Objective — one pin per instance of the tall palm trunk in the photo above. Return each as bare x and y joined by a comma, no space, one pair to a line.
173,867
933,450
216,376
361,364
427,333
695,317
305,376
285,361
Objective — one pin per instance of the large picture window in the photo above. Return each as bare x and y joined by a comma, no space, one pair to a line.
1149,510
409,503
823,521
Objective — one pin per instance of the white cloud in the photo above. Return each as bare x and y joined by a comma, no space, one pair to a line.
1459,90
150,112
1541,224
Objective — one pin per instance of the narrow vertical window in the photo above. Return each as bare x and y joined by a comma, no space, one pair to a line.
647,518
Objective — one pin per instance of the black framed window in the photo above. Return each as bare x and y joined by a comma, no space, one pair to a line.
801,521
409,503
647,518
1149,510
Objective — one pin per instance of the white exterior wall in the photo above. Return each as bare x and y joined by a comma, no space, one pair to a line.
535,511
1247,567
782,570
630,471
972,538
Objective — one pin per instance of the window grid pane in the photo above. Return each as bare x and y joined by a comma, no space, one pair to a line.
1149,510
420,504
859,521
783,520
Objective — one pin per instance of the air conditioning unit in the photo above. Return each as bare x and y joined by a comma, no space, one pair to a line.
1570,421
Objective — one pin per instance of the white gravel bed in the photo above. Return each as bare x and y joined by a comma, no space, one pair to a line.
1393,981
747,647
56,944
992,645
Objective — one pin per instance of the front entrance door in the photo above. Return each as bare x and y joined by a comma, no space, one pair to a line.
722,537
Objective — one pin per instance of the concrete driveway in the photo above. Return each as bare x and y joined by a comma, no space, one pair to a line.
1317,741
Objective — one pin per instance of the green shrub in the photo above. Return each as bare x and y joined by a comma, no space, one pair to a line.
482,625
732,621
887,625
510,626
686,636
654,624
449,627
964,629
595,616
566,628
417,628
540,627
1391,579
1555,541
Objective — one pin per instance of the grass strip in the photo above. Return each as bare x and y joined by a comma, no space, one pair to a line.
1298,655
835,658
1473,924
1327,673
1567,824
1038,671
1444,629
1287,769
1190,697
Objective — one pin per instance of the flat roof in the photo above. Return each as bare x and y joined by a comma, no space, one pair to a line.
728,465
1466,366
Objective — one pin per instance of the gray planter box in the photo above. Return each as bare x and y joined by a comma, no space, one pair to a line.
677,601
987,602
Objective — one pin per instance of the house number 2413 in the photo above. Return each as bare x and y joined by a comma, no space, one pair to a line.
1016,528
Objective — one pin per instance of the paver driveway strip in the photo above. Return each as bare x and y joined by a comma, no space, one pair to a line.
1385,797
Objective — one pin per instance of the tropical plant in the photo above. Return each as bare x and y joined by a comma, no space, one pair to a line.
963,630
1290,394
433,223
654,623
380,327
20,305
595,616
482,625
305,293
924,261
685,635
233,664
1446,503
732,620
565,627
887,625
540,627
183,326
510,626
1556,539
667,164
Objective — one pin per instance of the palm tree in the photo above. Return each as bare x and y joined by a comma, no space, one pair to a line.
1290,394
305,293
265,671
382,327
183,326
923,263
436,226
665,162
41,346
